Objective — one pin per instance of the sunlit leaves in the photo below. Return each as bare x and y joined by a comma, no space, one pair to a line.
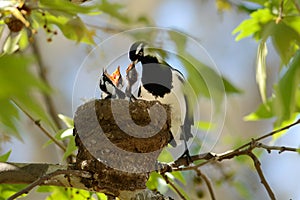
71,26
67,120
62,193
284,103
286,91
71,147
280,22
17,86
261,75
114,10
253,26
68,134
4,157
285,39
264,111
67,7
7,190
156,182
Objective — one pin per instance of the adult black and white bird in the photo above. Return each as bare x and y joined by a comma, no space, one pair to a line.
111,85
160,81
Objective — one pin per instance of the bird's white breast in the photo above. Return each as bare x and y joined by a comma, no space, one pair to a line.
176,101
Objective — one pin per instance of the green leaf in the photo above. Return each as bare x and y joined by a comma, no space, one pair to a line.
264,111
293,22
67,133
63,193
23,42
67,120
261,75
4,157
18,84
165,156
114,10
229,87
285,39
156,182
68,7
101,196
8,116
204,80
286,91
204,125
71,26
75,30
7,190
254,25
11,44
57,137
284,124
298,150
70,148
178,175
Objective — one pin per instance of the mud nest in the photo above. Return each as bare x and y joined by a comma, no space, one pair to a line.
119,142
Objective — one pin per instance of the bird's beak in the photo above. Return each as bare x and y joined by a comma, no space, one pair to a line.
115,77
130,66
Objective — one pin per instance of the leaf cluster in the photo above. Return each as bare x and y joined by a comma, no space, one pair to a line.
277,21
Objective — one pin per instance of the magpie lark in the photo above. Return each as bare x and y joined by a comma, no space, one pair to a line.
160,81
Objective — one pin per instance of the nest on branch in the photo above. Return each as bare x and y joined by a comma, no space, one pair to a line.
117,144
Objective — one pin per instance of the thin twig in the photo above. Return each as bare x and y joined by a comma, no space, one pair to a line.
280,149
173,186
245,149
261,175
38,124
210,156
46,177
270,134
207,182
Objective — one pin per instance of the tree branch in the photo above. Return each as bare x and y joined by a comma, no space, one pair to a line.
38,124
245,149
261,175
173,186
280,149
207,182
270,134
44,179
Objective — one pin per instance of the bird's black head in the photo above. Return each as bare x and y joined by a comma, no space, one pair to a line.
136,51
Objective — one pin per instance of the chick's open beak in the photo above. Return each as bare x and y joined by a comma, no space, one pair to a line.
116,77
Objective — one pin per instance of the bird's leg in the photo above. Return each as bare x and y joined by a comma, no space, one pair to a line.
186,154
